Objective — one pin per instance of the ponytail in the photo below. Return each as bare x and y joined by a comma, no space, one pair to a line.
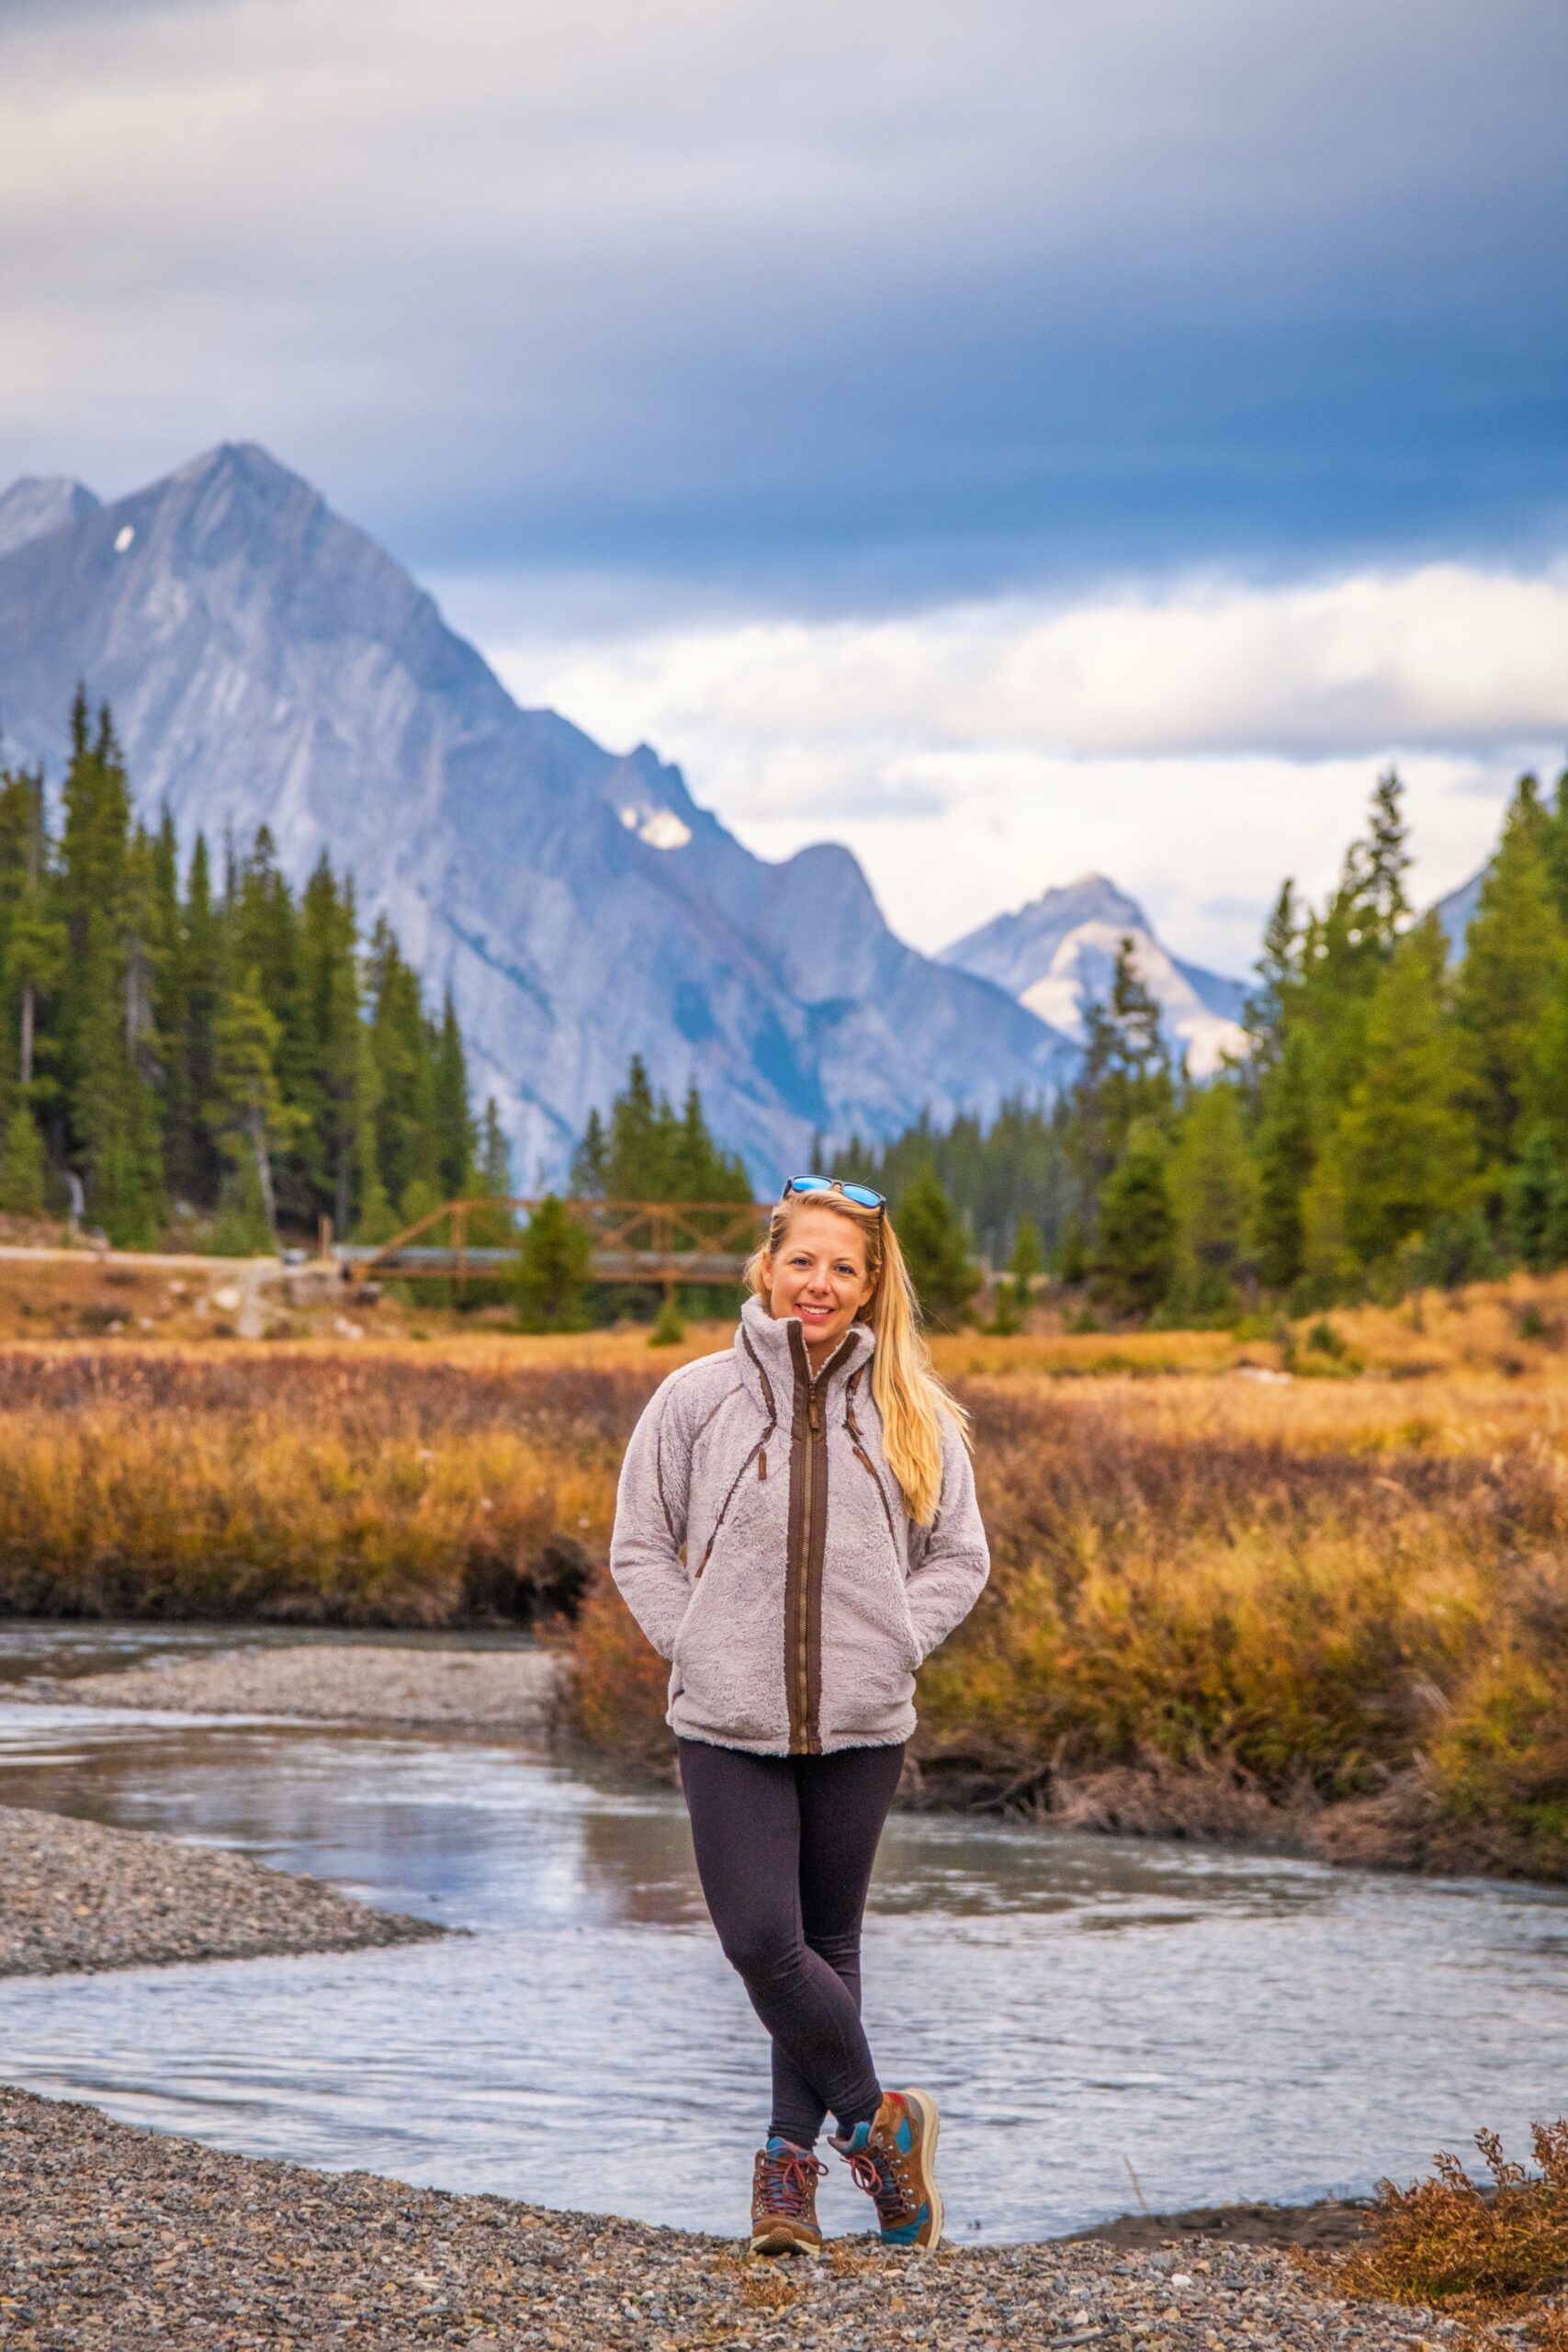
909,1397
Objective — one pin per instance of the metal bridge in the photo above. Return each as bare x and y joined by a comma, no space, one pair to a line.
656,1243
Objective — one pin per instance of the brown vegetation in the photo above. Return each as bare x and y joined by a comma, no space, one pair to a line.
1329,1611
1489,2253
348,1487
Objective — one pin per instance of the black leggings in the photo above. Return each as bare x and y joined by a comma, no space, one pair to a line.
785,1848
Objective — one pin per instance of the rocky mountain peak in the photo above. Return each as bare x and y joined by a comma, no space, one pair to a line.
38,503
268,662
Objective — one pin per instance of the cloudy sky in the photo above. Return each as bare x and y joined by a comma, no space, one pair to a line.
1010,435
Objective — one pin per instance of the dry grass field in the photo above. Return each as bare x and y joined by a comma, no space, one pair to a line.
1330,1608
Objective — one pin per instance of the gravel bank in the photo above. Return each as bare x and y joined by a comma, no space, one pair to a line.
123,2238
359,1682
74,1896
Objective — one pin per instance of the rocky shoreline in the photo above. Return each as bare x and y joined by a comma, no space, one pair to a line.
75,1896
130,2239
125,2240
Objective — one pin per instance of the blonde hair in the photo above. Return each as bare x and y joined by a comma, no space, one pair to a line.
909,1397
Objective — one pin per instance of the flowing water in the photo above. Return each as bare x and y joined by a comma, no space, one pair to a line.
1223,2025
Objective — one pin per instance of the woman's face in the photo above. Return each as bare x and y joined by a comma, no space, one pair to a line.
819,1273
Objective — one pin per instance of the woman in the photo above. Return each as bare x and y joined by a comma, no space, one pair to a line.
795,1532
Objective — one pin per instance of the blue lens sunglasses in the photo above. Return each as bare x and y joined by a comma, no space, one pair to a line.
862,1194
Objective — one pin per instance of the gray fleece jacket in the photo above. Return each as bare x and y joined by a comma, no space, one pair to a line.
762,1544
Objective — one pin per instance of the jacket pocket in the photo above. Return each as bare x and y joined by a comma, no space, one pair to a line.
872,1471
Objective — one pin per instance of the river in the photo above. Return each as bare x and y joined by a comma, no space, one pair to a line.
1100,2018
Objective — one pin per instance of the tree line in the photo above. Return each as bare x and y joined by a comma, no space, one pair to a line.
1401,1119
214,1060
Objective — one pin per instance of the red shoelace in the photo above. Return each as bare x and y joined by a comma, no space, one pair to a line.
787,2183
879,2177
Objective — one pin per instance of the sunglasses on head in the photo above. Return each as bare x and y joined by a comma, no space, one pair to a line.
862,1194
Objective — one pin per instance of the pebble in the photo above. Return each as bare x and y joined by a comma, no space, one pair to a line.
75,1896
125,2240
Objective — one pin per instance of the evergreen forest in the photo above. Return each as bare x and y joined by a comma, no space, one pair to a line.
1402,1119
209,1060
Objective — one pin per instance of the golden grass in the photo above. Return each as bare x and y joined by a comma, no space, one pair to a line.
355,1487
1333,1609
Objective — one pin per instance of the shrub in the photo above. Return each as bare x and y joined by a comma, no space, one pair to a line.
552,1269
1446,2240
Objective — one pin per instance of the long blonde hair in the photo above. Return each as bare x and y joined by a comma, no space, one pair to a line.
909,1397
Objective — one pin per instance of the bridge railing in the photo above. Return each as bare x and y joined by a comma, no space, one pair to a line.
659,1243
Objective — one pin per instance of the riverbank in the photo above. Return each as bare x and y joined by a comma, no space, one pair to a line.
1323,1613
121,2236
511,1690
76,1897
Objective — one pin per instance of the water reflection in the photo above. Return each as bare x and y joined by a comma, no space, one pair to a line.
1232,2024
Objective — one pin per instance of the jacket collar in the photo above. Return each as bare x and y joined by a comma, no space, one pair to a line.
767,1351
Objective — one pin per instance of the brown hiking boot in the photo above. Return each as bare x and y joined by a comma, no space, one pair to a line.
784,2199
892,2158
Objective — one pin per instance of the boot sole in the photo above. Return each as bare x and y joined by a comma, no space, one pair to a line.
929,2114
785,2241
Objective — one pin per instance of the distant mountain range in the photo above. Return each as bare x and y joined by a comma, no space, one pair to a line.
267,663
1060,950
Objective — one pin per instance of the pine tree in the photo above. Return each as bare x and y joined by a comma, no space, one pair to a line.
1537,1192
591,1161
201,962
492,1229
552,1269
107,993
1286,1155
1134,1255
944,1276
403,1049
247,1113
457,1135
631,1163
1514,957
1405,1147
1126,1079
1279,974
23,1168
1555,846
1213,1186
32,937
1028,1262
1538,1201
334,1085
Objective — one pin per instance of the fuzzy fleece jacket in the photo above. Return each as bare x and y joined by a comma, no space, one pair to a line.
763,1545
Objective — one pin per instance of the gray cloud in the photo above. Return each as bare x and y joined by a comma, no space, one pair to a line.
864,302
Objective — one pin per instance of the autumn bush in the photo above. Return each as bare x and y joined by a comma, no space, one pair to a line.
351,1488
1308,1613
1333,1612
1488,2252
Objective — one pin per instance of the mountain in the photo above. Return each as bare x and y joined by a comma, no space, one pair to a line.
40,502
267,663
1457,912
1060,950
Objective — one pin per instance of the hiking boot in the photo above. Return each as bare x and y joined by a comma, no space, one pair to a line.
892,2158
784,2199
